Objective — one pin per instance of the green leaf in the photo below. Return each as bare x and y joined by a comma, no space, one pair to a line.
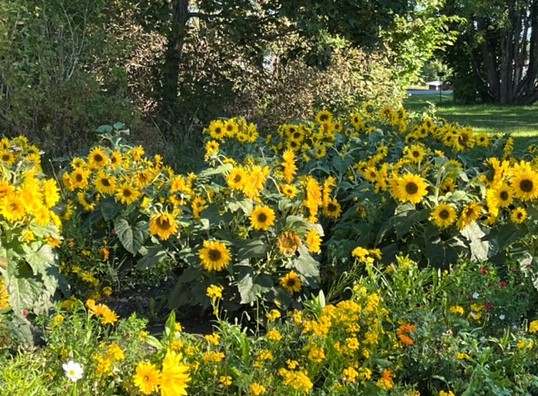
154,255
131,238
478,246
306,265
253,249
250,288
109,208
39,257
23,293
215,171
104,129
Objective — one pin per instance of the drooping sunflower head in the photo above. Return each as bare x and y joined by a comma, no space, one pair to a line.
444,215
291,282
288,243
469,214
262,217
214,256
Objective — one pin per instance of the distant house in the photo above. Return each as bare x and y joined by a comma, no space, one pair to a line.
437,85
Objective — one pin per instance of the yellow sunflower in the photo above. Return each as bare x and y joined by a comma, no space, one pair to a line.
12,207
288,190
324,116
518,215
236,179
175,375
231,127
115,159
288,243
313,241
444,215
289,167
503,195
291,282
79,178
525,184
410,187
217,129
126,193
147,378
332,210
105,183
214,255
163,224
415,153
97,158
262,217
7,157
470,213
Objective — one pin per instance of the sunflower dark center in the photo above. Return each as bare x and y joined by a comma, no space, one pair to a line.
526,185
291,282
164,224
416,154
98,158
411,188
444,214
127,192
106,182
331,207
214,255
262,217
78,177
6,157
504,195
324,117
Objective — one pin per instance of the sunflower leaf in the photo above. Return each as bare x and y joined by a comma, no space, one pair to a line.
131,238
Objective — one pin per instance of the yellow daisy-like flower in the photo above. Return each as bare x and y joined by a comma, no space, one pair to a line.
410,187
525,184
126,193
291,282
163,224
444,215
214,291
97,158
174,376
147,378
214,255
518,215
533,327
262,217
257,389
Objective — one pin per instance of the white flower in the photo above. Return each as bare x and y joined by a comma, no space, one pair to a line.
502,317
475,296
73,370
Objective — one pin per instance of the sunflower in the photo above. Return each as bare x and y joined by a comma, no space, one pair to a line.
175,375
410,187
236,179
324,116
482,140
231,127
291,282
105,183
289,190
217,129
470,213
320,151
415,153
313,241
7,157
5,188
503,195
288,243
289,167
12,207
518,215
214,255
444,215
332,210
211,148
79,178
126,193
163,224
147,378
525,184
262,217
97,158
115,159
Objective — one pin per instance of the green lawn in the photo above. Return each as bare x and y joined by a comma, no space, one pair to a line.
519,121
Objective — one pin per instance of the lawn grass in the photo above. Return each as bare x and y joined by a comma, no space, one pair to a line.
521,122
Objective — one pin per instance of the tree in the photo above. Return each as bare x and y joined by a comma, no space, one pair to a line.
498,49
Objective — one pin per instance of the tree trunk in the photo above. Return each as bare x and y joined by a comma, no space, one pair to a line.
488,57
172,60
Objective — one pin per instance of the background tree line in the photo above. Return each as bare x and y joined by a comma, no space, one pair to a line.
167,67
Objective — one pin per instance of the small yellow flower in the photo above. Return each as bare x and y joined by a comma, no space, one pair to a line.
214,291
273,315
225,380
533,327
213,339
